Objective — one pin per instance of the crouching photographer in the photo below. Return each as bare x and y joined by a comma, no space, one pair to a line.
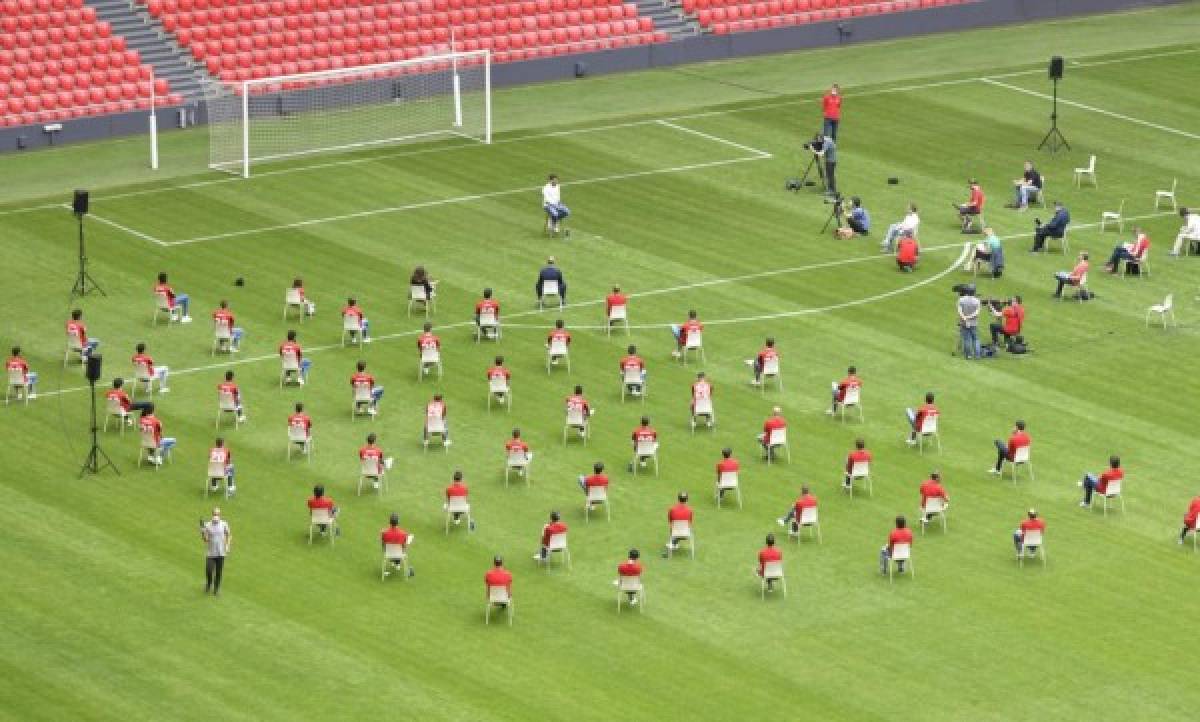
856,223
1011,317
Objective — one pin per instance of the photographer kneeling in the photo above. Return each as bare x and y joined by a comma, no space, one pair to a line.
858,222
1012,317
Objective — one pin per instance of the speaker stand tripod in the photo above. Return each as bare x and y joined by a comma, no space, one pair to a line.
1054,137
82,278
96,460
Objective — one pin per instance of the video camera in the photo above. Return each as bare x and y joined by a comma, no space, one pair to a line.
816,145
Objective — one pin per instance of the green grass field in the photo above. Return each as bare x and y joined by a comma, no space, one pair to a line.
675,179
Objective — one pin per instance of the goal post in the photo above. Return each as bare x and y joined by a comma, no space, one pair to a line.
419,99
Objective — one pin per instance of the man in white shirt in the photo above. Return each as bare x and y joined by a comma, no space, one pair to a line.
217,540
1189,232
894,231
552,203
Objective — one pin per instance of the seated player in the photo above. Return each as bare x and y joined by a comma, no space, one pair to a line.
421,278
558,342
1075,277
1189,232
578,403
759,362
145,370
1026,188
230,387
435,410
645,442
19,375
908,225
517,448
1189,519
551,272
969,211
773,423
1092,484
851,381
295,366
630,568
499,371
177,304
916,419
487,316
498,576
117,395
990,250
352,310
552,203
679,512
899,535
152,436
908,252
300,421
859,455
372,452
632,366
805,501
361,381
394,534
1056,227
319,501
1007,451
310,307
615,299
727,465
1012,316
458,490
932,488
767,554
684,331
77,336
220,454
429,346
555,526
702,394
596,478
225,326
1030,523
1129,252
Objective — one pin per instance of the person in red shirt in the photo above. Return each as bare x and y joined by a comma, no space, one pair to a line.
969,211
596,478
631,567
556,526
917,418
805,501
1092,484
498,576
908,251
496,372
301,420
932,488
769,553
77,335
320,501
727,465
364,326
226,327
310,307
1075,277
230,387
644,435
1031,523
1189,519
1129,252
900,535
684,332
220,454
361,379
773,423
831,111
558,341
840,387
144,365
373,453
18,368
702,392
613,300
632,365
151,428
1011,317
434,410
1007,451
394,534
679,512
578,402
117,394
290,350
759,362
858,455
175,302
458,489
516,445
490,308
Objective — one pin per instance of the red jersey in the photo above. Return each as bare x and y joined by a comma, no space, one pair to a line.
976,198
17,364
320,502
613,300
575,402
808,501
516,445
596,480
498,577
906,250
291,348
728,466
78,332
932,490
701,390
435,410
549,530
559,334
302,420
165,290
689,327
767,353
488,305
680,512
223,318
220,455
1018,440
1106,477
456,489
632,361
362,378
1079,271
857,456
630,568
497,372
120,397
644,433
831,106
149,424
899,536
850,382
394,535
1140,246
428,340
229,387
142,360
371,451
354,311
772,423
1011,320
926,411
768,554
1034,525
1192,513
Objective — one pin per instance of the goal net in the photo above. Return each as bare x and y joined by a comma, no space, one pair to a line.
423,98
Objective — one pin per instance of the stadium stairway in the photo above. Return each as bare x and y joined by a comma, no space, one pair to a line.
157,47
668,18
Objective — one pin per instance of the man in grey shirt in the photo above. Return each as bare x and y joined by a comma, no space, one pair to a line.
829,156
217,540
968,321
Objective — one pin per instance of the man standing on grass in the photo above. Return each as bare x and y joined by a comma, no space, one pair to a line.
831,109
217,542
968,322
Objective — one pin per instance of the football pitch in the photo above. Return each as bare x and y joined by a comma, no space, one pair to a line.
675,180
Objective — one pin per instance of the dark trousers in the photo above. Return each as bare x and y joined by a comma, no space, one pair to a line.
1001,454
830,128
213,568
1040,236
830,178
997,330
139,406
1089,487
1120,254
857,227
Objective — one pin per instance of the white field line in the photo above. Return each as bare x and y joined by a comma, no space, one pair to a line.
653,292
716,139
127,229
1094,109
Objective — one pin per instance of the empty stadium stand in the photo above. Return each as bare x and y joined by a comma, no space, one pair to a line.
730,16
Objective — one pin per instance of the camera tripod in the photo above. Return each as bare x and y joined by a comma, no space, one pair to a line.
835,214
812,162
1054,137
96,460
83,277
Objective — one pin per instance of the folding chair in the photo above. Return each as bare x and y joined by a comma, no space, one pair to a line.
627,586
901,553
772,571
778,439
681,531
375,471
695,342
1081,289
1066,245
499,597
113,407
226,404
222,337
489,326
519,462
929,428
633,383
73,349
852,397
418,296
1020,458
1088,172
430,358
860,471
352,328
151,448
1112,491
618,315
362,401
933,506
1032,544
1116,216
457,505
557,545
1160,196
808,520
216,473
299,439
550,288
289,368
770,370
395,556
703,407
292,299
596,495
499,391
727,482
318,518
143,379
642,451
1164,309
1140,263
558,350
17,387
578,421
435,426
1195,533
162,306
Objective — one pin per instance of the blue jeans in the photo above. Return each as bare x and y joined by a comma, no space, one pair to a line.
1025,193
830,128
1120,253
305,365
556,211
235,338
1064,279
1089,487
183,301
970,341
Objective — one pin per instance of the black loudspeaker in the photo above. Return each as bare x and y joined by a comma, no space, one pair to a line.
92,369
80,205
1056,67
580,70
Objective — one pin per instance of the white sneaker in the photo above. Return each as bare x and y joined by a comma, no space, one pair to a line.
749,362
781,522
829,412
366,340
371,412
675,354
993,470
186,319
755,382
242,419
300,381
537,557
375,485
32,396
911,442
1084,504
633,601
448,442
164,390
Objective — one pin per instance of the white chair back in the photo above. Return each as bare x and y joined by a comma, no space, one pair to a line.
321,516
1021,454
142,371
162,301
148,441
558,347
633,375
435,424
291,362
901,552
681,529
851,396
16,377
216,468
550,288
222,329
1113,488
778,437
416,292
727,480
1091,166
1031,538
646,447
934,505
771,366
499,595
773,570
597,494
458,505
695,340
73,343
516,457
291,297
487,317
498,385
362,391
929,424
575,416
431,355
557,542
394,552
1168,302
860,470
225,401
630,583
703,405
808,515
114,407
371,466
297,433
618,313
350,322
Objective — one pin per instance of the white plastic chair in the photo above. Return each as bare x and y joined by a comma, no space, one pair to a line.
489,326
431,357
289,367
929,428
578,421
1112,491
901,553
362,400
778,439
771,370
150,448
632,378
1195,532
144,380
934,506
216,472
292,299
457,505
418,296
860,471
694,343
374,470
352,329
557,545
852,397
499,392
809,519
772,571
558,350
299,439
1021,457
395,556
681,531
630,585
645,450
17,386
222,336
550,288
1088,172
162,306
727,482
596,495
73,350
1141,263
618,315
1032,544
435,426
1160,196
113,408
1116,216
226,404
499,597
703,407
322,517
1164,309
518,461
